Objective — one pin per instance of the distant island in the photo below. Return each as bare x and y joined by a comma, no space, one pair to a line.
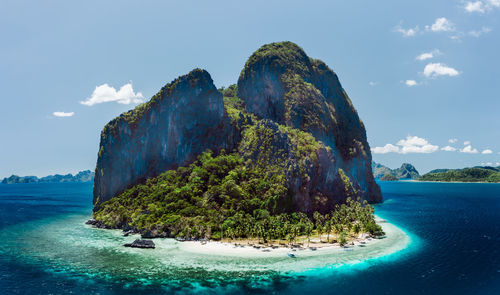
82,176
281,154
389,177
384,173
474,174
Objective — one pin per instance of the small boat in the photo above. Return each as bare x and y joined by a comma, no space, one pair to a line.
291,255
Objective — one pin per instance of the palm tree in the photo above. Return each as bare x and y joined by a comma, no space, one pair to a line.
318,218
342,238
308,228
339,228
328,228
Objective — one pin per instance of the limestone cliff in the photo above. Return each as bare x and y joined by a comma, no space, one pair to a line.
281,83
184,119
291,116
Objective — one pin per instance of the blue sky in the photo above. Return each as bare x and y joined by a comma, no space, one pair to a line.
421,74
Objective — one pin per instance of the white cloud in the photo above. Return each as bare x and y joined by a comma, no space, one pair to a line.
469,150
467,142
106,93
412,144
487,164
415,144
497,163
441,25
63,114
407,32
478,33
494,3
411,83
371,83
453,140
487,151
388,148
448,148
424,56
428,55
476,6
439,69
481,6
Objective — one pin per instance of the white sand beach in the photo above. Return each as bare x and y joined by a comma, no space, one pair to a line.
394,240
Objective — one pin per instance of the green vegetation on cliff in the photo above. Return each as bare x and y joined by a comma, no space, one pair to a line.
225,196
465,175
281,54
259,138
303,93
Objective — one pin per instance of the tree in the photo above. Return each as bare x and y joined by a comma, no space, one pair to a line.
356,228
342,238
319,220
308,230
328,228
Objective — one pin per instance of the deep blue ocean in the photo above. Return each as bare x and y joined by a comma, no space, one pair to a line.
455,248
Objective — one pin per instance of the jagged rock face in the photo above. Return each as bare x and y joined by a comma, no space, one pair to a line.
407,171
380,170
184,119
312,173
281,83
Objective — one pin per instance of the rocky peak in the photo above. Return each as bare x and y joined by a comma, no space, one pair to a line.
183,119
281,83
407,171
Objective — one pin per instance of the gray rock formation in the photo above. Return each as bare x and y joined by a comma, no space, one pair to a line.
138,243
281,83
184,119
303,122
407,171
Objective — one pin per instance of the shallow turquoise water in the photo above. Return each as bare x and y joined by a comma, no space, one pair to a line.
45,249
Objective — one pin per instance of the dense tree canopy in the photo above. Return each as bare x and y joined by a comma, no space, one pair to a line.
224,197
489,174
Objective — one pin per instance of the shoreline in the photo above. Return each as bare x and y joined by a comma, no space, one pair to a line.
72,239
395,239
436,181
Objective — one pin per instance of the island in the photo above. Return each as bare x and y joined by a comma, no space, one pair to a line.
279,158
389,177
82,176
474,174
406,171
